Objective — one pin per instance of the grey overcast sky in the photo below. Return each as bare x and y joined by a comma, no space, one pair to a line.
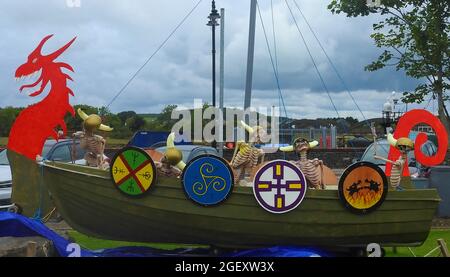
116,37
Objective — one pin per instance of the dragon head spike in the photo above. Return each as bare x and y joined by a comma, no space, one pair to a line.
41,65
38,50
61,50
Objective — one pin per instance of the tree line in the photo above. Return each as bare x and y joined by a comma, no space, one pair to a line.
125,123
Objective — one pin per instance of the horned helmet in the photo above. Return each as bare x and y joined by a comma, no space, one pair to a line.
257,133
404,145
93,122
173,155
299,145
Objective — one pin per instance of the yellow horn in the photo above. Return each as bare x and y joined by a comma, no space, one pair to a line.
313,144
181,165
170,140
287,148
105,128
82,114
249,129
392,141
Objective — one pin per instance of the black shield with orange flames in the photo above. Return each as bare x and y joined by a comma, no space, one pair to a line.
363,187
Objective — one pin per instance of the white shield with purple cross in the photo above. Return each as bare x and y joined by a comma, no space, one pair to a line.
279,186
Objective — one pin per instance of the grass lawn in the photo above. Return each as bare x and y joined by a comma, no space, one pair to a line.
94,244
425,248
112,142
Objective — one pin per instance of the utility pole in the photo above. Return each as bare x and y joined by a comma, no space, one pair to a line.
213,16
221,78
250,55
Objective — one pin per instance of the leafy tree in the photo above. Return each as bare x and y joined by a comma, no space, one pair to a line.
125,115
416,37
164,119
135,123
7,117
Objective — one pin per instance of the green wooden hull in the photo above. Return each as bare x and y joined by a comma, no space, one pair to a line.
29,191
90,203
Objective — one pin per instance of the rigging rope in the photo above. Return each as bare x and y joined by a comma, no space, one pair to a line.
274,38
275,50
154,53
312,59
330,61
275,47
271,60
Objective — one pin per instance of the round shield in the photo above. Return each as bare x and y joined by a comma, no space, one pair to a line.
133,171
279,186
363,187
207,180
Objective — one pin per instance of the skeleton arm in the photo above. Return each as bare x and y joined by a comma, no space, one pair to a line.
374,134
78,134
386,160
236,149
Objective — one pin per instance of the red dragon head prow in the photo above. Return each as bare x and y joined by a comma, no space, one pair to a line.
39,121
43,65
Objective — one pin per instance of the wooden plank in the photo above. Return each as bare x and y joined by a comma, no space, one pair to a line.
443,246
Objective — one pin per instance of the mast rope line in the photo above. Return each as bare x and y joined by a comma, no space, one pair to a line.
333,66
154,53
312,59
271,60
275,51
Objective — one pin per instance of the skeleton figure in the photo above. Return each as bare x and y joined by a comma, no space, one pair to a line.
93,144
404,145
313,169
171,164
246,155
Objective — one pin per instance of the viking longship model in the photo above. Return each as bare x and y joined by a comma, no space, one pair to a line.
142,198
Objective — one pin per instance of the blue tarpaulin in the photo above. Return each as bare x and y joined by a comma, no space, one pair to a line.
147,139
13,225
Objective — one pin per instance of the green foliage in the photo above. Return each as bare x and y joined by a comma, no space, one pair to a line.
125,115
7,117
415,36
164,120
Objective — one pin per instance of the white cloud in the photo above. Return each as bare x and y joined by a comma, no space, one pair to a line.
116,37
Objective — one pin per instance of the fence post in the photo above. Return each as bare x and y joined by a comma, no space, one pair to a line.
333,137
324,137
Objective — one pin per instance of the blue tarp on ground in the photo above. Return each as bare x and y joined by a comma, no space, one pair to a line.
13,225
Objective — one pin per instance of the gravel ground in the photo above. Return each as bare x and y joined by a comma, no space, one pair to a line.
441,223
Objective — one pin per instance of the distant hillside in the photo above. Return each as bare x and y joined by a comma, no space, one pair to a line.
149,117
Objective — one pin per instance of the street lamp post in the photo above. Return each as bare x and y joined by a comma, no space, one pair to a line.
213,17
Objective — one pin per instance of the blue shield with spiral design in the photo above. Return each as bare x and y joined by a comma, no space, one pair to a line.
207,180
